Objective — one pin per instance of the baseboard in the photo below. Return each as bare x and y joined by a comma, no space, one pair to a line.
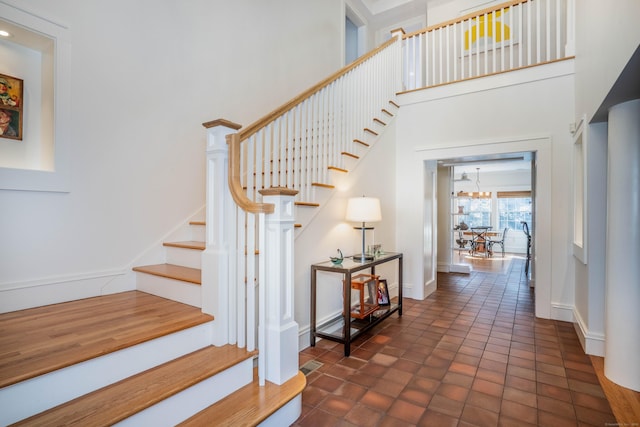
592,343
304,334
443,268
54,290
562,312
430,288
460,268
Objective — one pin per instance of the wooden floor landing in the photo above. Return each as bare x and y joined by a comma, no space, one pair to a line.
40,340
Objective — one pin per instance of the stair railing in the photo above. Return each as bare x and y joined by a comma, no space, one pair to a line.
506,37
295,145
248,269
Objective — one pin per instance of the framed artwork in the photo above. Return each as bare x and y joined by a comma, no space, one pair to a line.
383,293
11,100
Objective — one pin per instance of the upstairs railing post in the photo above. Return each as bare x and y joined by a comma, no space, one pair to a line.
220,223
280,350
570,46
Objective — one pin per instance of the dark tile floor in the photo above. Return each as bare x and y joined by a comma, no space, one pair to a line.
471,354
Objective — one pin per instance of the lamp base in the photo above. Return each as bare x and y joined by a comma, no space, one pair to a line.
363,258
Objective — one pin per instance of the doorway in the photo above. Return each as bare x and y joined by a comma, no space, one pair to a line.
491,211
354,36
540,148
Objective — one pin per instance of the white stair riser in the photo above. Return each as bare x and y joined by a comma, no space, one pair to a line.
188,402
286,415
191,258
33,396
176,290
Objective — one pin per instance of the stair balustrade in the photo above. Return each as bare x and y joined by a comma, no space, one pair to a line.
506,37
252,178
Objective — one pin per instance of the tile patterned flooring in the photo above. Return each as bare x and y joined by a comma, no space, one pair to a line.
471,354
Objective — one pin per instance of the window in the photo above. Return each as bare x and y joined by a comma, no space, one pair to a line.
478,211
513,208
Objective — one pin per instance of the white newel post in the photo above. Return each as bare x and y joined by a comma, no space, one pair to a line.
281,330
220,223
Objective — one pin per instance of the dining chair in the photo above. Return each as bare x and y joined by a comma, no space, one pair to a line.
479,240
491,242
525,229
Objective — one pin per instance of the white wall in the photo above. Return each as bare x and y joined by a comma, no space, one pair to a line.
471,117
607,34
34,150
144,76
606,37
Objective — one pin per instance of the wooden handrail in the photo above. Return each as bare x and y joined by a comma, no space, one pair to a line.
264,121
465,18
235,183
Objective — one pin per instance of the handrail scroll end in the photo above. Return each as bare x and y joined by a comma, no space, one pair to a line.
235,184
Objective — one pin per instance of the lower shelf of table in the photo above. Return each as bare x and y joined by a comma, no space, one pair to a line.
334,330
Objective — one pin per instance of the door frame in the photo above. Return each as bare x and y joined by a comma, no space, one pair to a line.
541,146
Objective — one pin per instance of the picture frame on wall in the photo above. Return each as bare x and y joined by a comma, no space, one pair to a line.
11,107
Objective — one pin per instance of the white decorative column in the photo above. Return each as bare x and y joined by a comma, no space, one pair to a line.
220,220
281,331
622,318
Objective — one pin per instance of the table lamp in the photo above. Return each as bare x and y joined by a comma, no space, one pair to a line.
363,209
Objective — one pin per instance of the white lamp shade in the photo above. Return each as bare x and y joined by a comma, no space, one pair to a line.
364,209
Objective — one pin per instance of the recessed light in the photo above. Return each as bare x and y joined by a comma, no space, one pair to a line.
4,33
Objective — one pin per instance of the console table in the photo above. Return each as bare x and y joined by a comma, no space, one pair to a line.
345,329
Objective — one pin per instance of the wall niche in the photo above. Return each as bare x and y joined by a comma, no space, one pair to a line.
37,52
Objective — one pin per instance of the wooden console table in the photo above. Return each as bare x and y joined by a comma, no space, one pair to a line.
345,329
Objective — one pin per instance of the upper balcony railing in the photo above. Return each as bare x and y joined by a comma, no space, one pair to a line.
507,37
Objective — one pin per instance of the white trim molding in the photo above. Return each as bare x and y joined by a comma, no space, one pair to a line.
592,342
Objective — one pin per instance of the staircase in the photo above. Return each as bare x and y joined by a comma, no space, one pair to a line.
180,277
143,357
153,356
131,359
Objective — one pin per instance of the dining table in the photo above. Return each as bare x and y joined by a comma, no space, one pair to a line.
479,237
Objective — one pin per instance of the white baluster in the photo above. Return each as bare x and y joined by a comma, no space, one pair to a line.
262,297
250,279
239,279
440,60
558,34
486,43
495,42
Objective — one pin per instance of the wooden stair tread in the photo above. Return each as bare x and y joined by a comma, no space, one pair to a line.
319,184
172,271
189,244
309,204
40,340
250,405
125,398
361,142
335,168
197,223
